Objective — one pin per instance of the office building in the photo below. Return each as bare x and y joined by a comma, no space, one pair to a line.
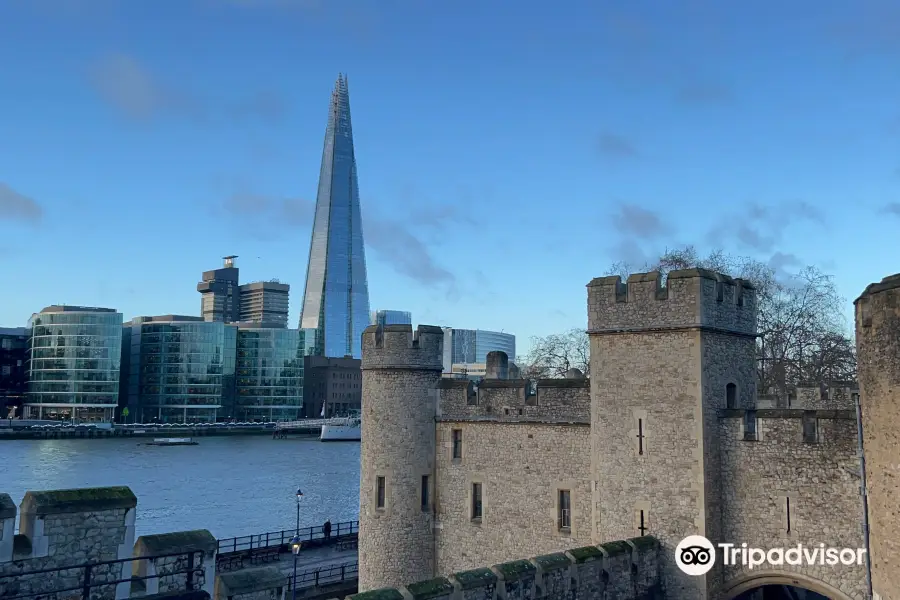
333,384
220,296
13,379
335,308
269,373
391,317
265,302
73,359
180,369
471,346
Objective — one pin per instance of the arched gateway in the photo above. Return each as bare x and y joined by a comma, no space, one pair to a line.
752,581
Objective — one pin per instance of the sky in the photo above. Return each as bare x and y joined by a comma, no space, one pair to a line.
508,152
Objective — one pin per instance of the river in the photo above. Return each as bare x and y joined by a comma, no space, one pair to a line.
232,486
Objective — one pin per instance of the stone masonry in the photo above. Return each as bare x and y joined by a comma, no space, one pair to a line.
61,531
878,350
400,376
669,438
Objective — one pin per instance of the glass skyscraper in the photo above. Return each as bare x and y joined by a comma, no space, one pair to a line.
335,306
269,373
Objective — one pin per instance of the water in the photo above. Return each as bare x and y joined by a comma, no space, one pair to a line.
232,486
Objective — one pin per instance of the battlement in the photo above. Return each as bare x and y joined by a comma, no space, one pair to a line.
690,298
625,570
398,347
516,400
875,299
792,426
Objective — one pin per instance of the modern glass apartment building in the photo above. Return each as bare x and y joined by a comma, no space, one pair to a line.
335,308
391,317
180,369
471,346
269,373
73,354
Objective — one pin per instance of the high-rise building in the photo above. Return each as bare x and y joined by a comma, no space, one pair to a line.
220,296
391,317
180,369
265,302
13,357
335,308
332,386
269,373
471,346
74,354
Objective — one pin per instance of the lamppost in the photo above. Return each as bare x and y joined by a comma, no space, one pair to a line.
295,549
299,498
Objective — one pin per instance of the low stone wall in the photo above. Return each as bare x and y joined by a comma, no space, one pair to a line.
624,570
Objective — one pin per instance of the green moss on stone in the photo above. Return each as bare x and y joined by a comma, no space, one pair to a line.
179,541
424,590
78,500
475,578
517,569
550,562
585,554
616,548
382,594
647,542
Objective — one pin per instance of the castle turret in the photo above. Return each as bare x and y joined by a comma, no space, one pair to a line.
496,365
878,353
401,371
664,360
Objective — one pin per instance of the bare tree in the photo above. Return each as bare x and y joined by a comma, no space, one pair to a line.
802,334
552,356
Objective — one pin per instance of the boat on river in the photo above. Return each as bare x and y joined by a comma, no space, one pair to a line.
342,429
172,442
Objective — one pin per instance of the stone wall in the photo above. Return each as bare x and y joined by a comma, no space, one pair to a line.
614,571
839,395
521,468
878,351
69,527
783,489
550,400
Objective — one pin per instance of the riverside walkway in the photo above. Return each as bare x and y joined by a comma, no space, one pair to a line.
321,562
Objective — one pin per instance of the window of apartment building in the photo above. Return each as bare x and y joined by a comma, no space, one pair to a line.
425,498
476,502
565,510
457,444
379,492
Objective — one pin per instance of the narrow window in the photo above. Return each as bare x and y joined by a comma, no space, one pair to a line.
379,492
565,509
720,291
457,444
787,513
640,437
730,395
750,426
476,501
810,428
643,526
425,492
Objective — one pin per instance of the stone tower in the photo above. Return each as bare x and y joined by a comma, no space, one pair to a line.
664,360
401,372
878,354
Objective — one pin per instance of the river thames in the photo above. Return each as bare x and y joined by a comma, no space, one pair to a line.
232,486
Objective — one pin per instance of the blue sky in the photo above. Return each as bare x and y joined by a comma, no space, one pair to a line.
508,152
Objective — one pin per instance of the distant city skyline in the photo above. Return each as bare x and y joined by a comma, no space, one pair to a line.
335,308
539,158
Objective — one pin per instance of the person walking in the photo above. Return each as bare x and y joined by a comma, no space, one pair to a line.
326,529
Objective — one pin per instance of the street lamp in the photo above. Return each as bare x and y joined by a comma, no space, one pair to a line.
299,498
296,542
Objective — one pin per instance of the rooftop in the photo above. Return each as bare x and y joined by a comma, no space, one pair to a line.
58,308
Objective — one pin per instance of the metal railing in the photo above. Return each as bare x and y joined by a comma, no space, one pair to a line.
96,580
324,576
283,538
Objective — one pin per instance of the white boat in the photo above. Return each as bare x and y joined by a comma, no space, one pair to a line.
172,442
342,429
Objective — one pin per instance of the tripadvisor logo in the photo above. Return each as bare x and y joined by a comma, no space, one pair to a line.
695,555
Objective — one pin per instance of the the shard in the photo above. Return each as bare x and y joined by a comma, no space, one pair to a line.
336,298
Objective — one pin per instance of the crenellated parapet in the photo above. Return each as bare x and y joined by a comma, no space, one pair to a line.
624,570
516,400
398,347
689,298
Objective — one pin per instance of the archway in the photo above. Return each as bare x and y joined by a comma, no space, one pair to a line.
776,584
